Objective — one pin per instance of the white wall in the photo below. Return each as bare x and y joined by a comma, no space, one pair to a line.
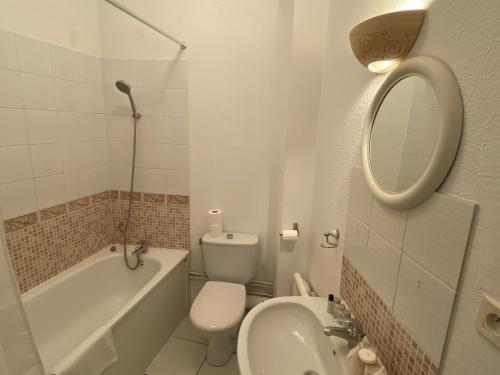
239,56
70,23
308,40
238,53
238,62
452,30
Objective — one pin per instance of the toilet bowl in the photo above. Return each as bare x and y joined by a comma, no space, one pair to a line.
218,309
217,312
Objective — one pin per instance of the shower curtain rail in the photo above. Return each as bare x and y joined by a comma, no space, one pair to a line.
124,9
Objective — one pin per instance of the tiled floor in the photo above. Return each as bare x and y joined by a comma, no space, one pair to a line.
185,354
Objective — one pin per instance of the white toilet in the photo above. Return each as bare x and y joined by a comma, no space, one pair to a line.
217,311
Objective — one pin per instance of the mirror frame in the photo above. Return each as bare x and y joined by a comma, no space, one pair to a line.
449,99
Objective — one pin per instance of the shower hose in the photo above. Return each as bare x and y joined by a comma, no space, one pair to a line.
125,226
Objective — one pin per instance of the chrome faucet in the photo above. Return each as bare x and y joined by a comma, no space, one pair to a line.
349,329
142,248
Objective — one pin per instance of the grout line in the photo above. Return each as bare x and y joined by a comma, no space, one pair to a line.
202,363
186,339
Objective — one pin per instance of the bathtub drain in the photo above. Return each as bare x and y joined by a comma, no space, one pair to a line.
309,372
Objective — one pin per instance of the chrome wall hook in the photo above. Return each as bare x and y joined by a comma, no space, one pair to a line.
331,239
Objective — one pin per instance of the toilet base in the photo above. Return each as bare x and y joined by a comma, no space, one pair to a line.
220,350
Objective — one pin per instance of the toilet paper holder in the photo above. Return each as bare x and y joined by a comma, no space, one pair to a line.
330,244
295,226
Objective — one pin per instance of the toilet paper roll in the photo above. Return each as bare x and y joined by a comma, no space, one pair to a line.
215,222
215,217
289,235
215,230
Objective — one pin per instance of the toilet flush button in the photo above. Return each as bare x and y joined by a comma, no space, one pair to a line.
229,236
488,319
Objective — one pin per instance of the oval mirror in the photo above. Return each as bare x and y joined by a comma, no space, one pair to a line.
412,133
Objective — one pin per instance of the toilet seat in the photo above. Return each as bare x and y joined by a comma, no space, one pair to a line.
218,307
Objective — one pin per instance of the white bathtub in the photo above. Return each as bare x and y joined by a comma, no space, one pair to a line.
141,307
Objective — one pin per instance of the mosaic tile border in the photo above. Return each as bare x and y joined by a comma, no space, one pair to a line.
161,219
21,222
44,243
398,350
43,249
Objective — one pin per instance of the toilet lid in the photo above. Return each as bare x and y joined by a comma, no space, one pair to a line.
218,306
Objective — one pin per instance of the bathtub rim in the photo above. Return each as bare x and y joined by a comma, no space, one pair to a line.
155,253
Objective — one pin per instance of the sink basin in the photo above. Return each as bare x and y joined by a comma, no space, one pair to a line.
285,336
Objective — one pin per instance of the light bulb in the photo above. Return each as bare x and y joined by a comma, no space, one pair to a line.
382,66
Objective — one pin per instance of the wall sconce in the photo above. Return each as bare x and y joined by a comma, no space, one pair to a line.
381,43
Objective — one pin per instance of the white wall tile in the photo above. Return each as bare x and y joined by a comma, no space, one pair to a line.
120,154
107,72
382,267
75,155
42,126
90,70
98,154
177,157
150,129
176,130
153,181
437,235
355,243
38,92
120,128
176,75
120,103
73,126
8,57
15,163
175,103
97,127
108,99
389,223
176,183
50,191
65,63
12,127
150,102
77,184
125,70
33,55
424,304
121,179
92,98
150,73
69,95
47,159
360,197
99,180
17,199
152,156
10,89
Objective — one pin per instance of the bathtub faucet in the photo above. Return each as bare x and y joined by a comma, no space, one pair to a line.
142,248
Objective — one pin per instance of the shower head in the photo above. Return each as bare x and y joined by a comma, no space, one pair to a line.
123,87
127,89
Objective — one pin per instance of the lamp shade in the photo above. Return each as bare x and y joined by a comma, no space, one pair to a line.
381,42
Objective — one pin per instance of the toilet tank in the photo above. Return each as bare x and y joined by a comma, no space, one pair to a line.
231,257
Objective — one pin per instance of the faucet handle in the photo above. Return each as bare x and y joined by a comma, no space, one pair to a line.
343,311
143,243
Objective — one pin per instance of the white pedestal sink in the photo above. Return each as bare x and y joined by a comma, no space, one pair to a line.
284,336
